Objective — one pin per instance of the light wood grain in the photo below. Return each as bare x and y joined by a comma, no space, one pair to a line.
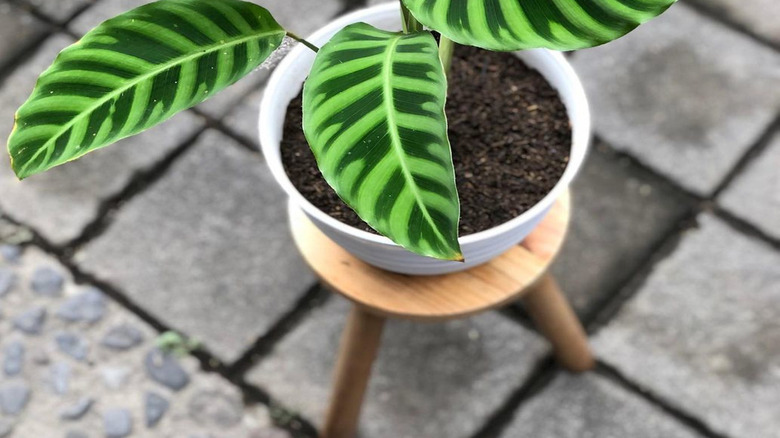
440,297
376,294
359,345
556,320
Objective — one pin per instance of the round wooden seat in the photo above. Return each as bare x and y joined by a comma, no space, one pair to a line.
376,294
438,297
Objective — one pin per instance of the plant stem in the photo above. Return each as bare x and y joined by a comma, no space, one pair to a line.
446,47
303,41
410,23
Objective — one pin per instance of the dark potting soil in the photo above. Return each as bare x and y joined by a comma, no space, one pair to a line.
510,138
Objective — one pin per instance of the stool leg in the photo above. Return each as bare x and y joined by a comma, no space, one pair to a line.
359,345
557,321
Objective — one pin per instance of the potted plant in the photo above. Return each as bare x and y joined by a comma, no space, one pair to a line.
373,105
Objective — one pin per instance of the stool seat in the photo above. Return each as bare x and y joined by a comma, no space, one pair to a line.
377,294
436,297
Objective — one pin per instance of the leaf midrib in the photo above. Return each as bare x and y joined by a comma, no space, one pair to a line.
135,81
387,88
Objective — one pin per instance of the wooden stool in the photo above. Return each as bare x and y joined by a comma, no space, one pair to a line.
376,295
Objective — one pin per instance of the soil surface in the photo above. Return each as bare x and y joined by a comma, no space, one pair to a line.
510,138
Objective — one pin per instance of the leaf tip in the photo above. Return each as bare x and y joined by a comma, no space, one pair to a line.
455,255
18,171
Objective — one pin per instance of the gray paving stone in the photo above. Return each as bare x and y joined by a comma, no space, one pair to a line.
684,94
19,84
19,29
6,427
60,385
703,332
760,16
207,248
61,202
60,10
619,214
242,119
430,380
755,194
102,11
302,17
589,406
222,103
216,407
13,233
288,14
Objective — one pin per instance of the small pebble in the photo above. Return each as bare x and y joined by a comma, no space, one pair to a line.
60,377
47,281
31,321
14,397
215,408
155,407
13,358
72,344
117,423
122,337
11,253
114,377
77,410
41,357
7,281
165,369
87,306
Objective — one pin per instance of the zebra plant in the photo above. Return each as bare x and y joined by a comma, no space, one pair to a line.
373,104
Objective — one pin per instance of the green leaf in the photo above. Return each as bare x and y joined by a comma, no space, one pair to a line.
374,116
527,24
135,71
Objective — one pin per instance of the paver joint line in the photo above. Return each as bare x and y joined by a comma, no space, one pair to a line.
750,155
718,16
141,181
314,298
546,370
691,421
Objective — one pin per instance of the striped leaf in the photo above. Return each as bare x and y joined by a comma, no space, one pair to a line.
374,117
528,24
135,71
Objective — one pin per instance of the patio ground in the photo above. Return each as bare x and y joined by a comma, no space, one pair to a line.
673,263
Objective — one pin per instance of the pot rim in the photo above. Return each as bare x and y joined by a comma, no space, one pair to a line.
581,135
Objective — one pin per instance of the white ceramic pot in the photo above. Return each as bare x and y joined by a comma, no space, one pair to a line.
478,248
